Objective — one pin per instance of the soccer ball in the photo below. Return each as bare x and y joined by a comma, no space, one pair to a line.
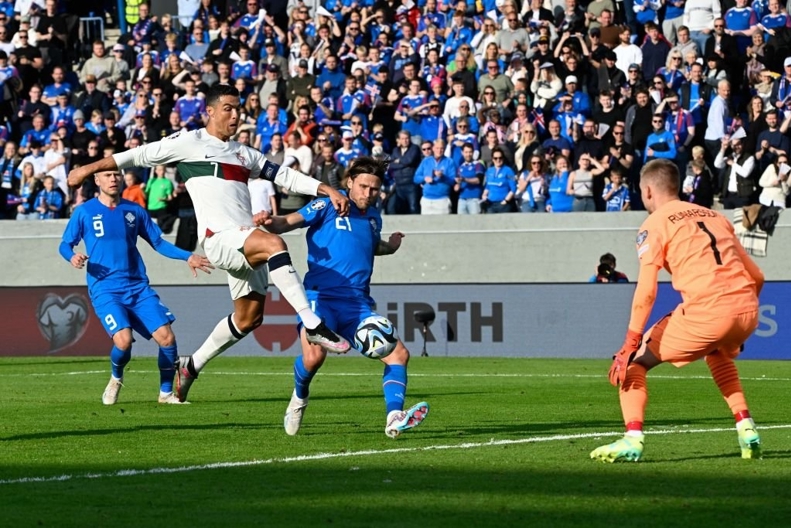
376,337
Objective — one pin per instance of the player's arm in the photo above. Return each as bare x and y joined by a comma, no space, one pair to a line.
153,235
71,237
295,181
751,267
161,152
279,224
391,245
644,297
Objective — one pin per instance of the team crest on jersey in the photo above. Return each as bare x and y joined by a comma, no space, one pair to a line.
240,158
174,135
373,224
641,236
130,218
318,205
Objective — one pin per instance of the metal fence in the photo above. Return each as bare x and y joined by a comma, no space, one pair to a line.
91,29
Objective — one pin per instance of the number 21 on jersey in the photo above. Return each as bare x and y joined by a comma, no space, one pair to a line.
343,223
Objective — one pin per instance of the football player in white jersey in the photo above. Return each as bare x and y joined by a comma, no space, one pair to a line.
216,171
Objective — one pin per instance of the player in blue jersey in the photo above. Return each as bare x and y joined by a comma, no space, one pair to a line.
341,254
117,281
216,170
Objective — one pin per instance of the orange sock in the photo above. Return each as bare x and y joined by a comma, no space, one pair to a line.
634,397
725,375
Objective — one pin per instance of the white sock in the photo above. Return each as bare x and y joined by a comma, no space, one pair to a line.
634,433
224,335
289,283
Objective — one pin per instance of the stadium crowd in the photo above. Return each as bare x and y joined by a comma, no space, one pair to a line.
482,106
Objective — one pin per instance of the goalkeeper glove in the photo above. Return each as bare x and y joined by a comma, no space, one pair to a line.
624,356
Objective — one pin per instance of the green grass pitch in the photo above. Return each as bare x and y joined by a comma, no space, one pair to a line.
506,443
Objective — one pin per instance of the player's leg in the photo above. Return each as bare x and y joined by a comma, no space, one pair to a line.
152,319
726,376
394,386
115,320
305,368
633,396
248,315
262,248
119,358
167,361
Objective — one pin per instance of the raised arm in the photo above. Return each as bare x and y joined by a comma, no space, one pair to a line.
279,224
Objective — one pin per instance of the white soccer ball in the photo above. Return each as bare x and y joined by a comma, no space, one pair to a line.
375,337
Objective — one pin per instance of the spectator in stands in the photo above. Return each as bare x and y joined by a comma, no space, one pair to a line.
112,135
581,183
103,67
739,185
499,189
774,183
717,122
92,99
558,198
9,177
49,200
404,160
699,17
436,175
772,142
328,170
133,189
51,34
697,186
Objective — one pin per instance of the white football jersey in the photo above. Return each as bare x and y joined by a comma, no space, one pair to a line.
216,174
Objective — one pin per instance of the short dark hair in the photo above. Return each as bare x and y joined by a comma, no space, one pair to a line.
607,258
367,165
220,90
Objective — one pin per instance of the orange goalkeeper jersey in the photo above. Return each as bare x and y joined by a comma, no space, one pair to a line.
697,246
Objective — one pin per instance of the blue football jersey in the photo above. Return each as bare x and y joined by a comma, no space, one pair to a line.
341,249
110,235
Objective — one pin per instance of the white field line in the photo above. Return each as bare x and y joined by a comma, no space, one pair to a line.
365,453
376,374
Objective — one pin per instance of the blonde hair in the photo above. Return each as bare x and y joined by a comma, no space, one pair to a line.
662,174
698,152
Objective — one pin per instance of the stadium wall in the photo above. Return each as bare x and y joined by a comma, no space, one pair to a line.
484,320
508,248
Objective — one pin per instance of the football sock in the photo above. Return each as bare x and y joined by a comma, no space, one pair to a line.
725,375
287,280
394,387
302,378
224,335
167,367
634,396
118,360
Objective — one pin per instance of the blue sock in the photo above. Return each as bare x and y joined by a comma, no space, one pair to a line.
302,378
394,387
168,356
118,360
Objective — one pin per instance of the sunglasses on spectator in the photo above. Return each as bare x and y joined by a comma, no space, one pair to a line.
357,122
460,127
488,93
321,140
354,28
426,149
719,26
658,120
617,132
22,36
659,83
156,94
534,163
497,158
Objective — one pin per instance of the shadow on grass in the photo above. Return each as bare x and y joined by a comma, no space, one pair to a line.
50,435
363,492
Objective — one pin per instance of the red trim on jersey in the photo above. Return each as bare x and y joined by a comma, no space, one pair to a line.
209,233
235,172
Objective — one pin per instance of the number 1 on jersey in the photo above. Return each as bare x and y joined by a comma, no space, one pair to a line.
717,257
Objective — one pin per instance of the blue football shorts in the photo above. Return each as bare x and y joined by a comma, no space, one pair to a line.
341,315
141,311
